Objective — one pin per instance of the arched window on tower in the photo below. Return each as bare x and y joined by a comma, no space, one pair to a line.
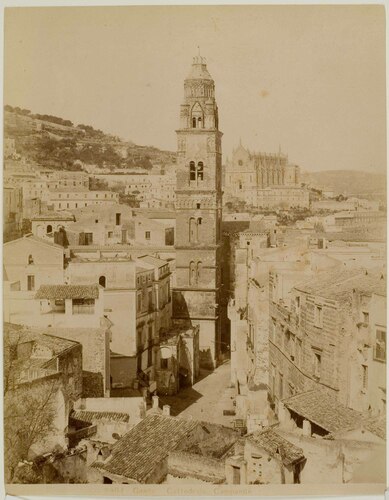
30,259
197,115
192,273
49,229
102,281
198,224
200,171
199,270
192,230
192,171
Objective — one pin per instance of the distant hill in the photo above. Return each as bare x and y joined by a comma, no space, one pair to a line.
349,182
53,141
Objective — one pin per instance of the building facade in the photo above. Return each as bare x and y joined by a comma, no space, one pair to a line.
263,180
199,211
330,336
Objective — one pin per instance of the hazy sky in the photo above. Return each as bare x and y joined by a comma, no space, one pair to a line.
311,78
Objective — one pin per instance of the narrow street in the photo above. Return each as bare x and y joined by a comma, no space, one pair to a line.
206,399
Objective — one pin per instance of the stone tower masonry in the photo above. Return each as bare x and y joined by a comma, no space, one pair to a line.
199,212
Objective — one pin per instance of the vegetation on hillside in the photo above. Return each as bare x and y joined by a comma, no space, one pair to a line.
73,147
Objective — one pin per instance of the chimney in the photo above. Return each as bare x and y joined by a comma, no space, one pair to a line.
166,410
155,402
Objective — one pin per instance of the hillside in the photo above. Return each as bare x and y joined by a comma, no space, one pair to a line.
349,182
58,143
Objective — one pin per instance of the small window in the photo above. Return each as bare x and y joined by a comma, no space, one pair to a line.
200,171
147,235
365,375
102,281
366,317
110,234
49,229
198,205
30,283
164,364
319,316
118,217
316,364
192,170
380,345
281,386
30,259
194,122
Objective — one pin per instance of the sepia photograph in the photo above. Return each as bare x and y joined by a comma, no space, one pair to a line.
194,250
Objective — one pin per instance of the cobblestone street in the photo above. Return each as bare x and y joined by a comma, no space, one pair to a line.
206,399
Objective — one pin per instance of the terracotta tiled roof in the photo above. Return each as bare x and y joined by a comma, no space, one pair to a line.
153,260
21,334
339,285
324,410
277,446
68,292
92,416
53,216
376,425
141,450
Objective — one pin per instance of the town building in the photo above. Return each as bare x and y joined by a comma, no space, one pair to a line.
101,225
199,212
31,262
68,199
327,336
336,440
265,457
43,379
153,190
137,302
162,448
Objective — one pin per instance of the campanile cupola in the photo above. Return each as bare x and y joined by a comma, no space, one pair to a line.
199,109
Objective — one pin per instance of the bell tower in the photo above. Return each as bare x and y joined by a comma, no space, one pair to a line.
196,296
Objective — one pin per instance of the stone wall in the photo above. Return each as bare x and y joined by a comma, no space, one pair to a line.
95,359
182,464
337,459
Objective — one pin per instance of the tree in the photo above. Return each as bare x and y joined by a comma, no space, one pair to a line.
29,417
29,407
26,226
318,227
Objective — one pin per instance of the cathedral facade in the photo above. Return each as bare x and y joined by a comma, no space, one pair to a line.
263,180
196,295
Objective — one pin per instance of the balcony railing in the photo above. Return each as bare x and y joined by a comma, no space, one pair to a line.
83,309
